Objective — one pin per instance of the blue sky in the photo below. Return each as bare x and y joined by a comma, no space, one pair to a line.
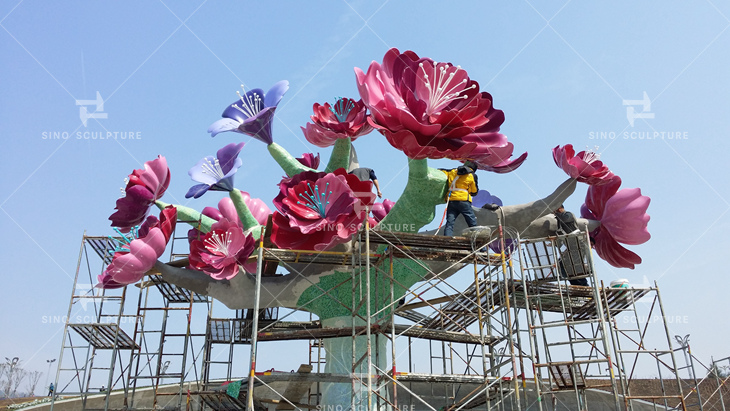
166,70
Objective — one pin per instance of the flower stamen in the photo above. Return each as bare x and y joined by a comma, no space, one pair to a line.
218,244
342,108
251,104
124,240
314,200
442,92
213,169
590,156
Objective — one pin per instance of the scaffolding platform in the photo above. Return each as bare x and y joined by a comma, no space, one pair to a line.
175,294
578,301
104,336
435,247
312,330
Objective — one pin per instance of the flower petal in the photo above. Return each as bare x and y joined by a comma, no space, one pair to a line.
228,157
275,93
223,125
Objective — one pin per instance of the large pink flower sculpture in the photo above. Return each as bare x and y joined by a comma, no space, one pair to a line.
145,186
221,251
138,256
584,166
317,211
432,110
347,118
623,218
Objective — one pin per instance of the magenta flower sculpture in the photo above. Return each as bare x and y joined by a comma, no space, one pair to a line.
309,160
216,173
430,110
623,218
585,166
145,186
347,118
380,210
221,251
135,258
494,153
317,211
258,207
252,113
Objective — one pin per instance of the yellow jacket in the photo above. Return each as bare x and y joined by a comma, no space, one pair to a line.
461,187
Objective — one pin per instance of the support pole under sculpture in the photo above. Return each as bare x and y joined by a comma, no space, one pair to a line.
255,325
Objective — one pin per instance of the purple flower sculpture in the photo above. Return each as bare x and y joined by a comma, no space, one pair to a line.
320,210
484,197
252,113
216,173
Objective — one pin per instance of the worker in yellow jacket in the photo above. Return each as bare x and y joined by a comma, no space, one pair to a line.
462,183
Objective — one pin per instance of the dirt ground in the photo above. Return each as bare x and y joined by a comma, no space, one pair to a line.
5,402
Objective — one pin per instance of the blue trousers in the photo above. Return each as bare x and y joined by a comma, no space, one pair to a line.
453,210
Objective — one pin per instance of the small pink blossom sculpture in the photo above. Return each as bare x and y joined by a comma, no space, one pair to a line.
137,257
585,166
145,186
346,118
222,250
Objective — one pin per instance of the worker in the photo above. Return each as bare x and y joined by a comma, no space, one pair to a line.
365,174
572,260
566,221
462,183
50,390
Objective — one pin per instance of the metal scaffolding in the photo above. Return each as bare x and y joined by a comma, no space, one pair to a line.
491,322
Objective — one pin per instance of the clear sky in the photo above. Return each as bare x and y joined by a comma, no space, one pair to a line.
166,70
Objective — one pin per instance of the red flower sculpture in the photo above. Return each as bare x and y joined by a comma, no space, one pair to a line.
138,256
221,251
433,110
584,166
145,186
347,118
623,218
320,210
309,160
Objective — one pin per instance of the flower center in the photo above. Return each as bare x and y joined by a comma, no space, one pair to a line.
217,243
213,169
251,104
342,108
124,240
591,156
442,92
314,200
